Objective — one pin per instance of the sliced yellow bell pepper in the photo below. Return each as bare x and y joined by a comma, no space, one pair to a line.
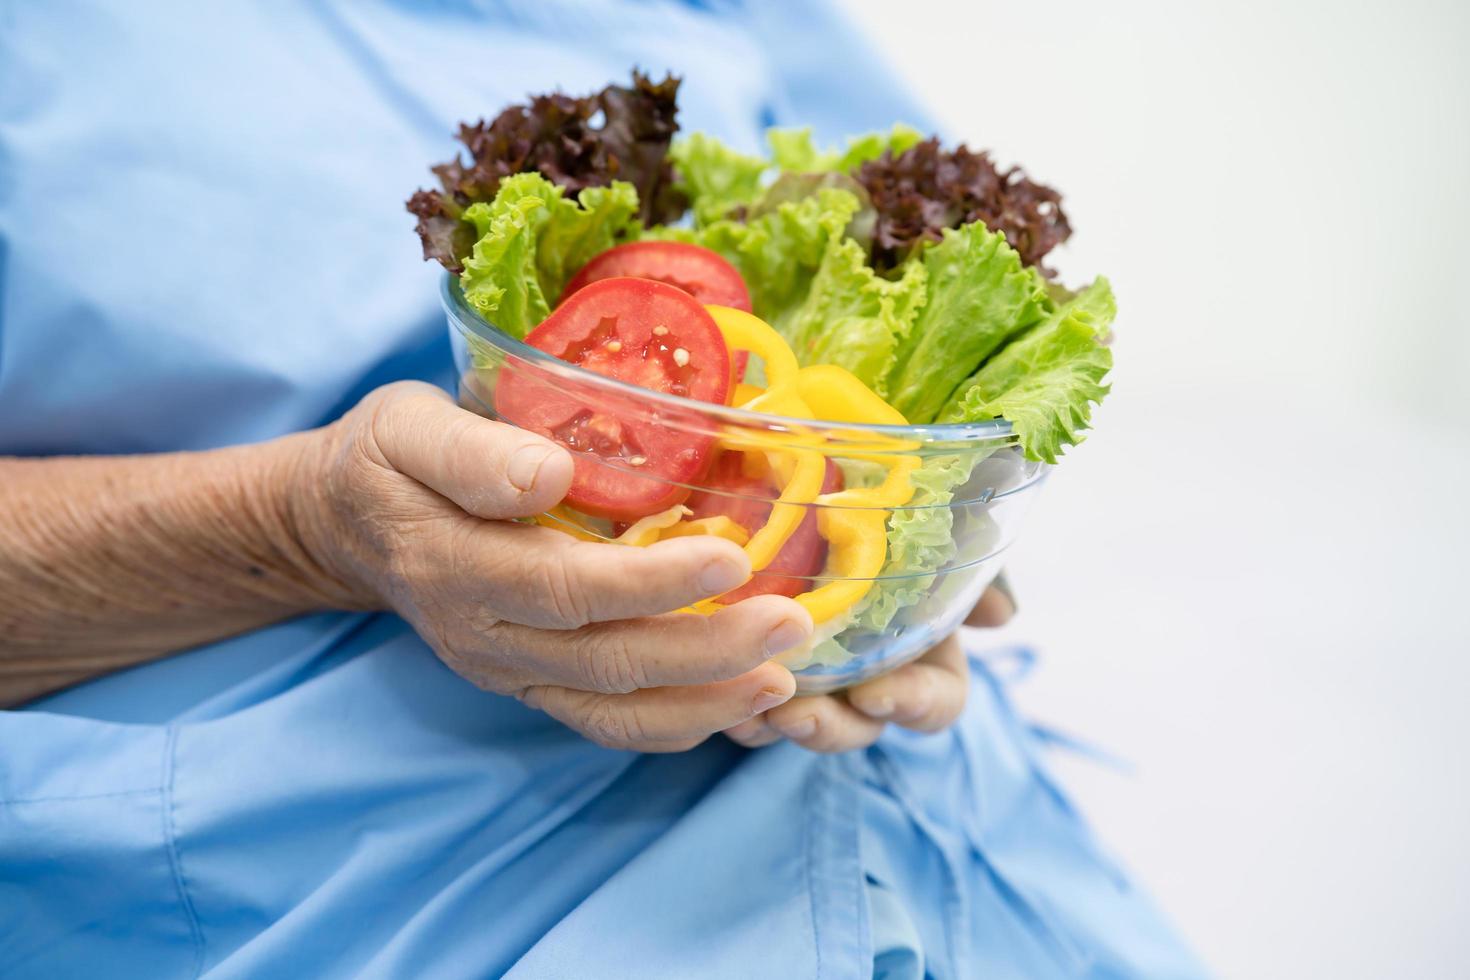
560,519
801,488
854,522
894,491
646,530
743,331
835,394
719,526
857,542
744,393
782,399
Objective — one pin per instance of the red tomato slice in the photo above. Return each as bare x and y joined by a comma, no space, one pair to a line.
645,333
746,501
700,272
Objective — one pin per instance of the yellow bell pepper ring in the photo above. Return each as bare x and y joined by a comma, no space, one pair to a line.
560,519
744,393
857,547
646,530
854,522
895,490
835,394
719,526
788,510
744,331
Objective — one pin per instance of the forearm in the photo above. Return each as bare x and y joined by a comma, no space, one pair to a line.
107,562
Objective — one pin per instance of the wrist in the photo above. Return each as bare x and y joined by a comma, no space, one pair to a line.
312,526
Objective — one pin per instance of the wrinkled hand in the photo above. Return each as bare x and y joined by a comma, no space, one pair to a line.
926,695
413,513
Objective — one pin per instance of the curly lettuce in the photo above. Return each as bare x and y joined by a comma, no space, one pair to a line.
531,239
620,133
979,297
715,178
920,541
851,316
778,252
793,150
1045,382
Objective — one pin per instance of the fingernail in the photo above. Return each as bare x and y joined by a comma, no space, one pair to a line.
875,708
805,728
720,575
1003,586
767,699
786,635
524,464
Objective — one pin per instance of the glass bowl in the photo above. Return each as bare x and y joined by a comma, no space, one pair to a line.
943,546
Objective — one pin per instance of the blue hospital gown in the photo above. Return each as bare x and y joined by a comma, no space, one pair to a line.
202,242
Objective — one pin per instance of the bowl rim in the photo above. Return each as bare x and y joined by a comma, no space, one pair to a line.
467,319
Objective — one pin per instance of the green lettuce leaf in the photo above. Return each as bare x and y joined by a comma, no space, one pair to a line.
1044,382
792,150
531,239
920,541
811,281
779,251
979,297
852,317
715,178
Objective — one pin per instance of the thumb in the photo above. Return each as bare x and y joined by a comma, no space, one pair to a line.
490,469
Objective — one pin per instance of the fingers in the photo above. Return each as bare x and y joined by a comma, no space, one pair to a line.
554,581
668,719
996,606
677,649
754,733
825,723
489,469
926,695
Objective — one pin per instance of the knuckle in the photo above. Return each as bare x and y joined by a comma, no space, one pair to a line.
474,647
913,696
835,735
605,724
824,742
563,595
396,415
726,640
830,739
609,663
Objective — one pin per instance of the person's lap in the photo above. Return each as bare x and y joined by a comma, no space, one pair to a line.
354,808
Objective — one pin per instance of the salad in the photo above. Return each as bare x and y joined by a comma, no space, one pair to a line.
891,282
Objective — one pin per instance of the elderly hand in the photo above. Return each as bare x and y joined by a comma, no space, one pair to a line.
413,513
926,695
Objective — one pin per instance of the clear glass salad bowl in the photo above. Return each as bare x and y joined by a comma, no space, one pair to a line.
943,547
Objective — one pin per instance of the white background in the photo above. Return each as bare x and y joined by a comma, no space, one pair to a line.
1252,581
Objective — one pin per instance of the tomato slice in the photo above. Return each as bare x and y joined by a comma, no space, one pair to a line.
646,333
700,272
746,500
738,361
